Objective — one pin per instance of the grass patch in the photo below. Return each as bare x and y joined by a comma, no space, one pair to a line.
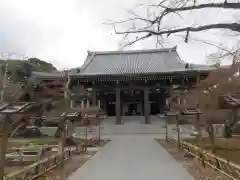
227,148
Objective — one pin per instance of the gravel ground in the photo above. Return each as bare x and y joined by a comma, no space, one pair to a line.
71,165
193,165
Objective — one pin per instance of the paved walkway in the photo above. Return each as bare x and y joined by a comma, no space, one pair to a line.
132,157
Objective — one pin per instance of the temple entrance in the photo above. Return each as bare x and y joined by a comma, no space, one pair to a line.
132,102
133,109
157,101
111,109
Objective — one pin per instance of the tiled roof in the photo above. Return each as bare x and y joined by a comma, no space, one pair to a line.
135,62
129,62
56,74
48,75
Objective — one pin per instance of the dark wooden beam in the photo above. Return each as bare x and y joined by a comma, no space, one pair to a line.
118,106
146,106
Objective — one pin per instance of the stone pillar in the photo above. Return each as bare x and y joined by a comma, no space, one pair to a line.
146,107
94,97
88,104
99,103
118,106
72,103
82,104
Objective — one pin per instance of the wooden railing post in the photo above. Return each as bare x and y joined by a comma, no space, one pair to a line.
86,140
178,131
99,133
200,140
3,145
63,141
166,126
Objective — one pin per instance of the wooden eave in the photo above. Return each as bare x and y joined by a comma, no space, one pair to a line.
145,76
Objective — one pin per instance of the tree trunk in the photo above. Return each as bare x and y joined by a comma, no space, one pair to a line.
228,131
211,134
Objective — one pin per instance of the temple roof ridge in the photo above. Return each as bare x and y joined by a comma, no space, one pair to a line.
133,51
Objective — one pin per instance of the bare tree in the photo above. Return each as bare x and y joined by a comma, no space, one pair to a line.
157,23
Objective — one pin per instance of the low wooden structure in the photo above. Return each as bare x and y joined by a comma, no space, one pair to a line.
232,100
7,110
27,155
229,169
233,103
91,116
37,169
184,115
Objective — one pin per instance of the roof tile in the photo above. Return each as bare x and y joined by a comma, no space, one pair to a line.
131,62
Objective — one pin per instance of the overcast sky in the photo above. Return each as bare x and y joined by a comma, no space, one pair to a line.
61,31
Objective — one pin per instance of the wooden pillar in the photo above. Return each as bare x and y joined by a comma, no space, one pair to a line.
146,106
3,145
63,141
166,135
118,106
141,108
170,93
94,97
104,102
178,131
199,128
198,79
86,139
104,106
99,133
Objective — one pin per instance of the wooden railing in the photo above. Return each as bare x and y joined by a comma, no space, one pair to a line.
37,169
224,166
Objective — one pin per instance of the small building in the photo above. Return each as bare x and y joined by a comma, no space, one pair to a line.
135,82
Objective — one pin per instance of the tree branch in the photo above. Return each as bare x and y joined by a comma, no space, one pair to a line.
154,26
136,40
202,6
231,26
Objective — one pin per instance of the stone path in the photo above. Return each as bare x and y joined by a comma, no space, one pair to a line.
132,157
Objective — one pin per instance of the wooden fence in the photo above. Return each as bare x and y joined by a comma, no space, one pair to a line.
226,167
37,169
